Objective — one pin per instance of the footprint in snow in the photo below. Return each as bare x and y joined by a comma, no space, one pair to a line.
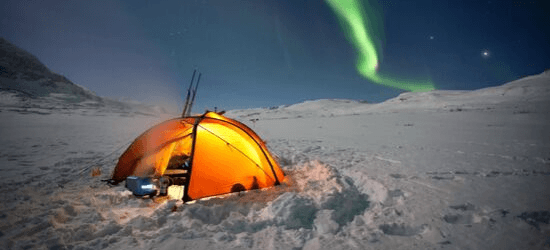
536,218
464,214
398,176
403,229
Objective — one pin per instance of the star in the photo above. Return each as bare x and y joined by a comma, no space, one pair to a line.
431,37
485,53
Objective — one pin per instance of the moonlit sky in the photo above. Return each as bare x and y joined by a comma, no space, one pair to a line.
263,53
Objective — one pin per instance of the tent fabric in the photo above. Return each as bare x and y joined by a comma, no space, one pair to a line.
225,155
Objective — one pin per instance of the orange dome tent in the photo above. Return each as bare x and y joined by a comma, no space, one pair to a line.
224,156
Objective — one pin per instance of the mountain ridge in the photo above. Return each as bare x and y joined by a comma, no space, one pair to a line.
23,72
27,85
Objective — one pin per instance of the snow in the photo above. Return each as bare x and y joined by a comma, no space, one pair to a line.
9,98
434,170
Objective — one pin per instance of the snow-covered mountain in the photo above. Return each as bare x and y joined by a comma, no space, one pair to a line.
531,89
28,86
22,72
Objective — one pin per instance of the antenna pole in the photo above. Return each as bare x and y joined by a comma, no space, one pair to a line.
188,95
194,94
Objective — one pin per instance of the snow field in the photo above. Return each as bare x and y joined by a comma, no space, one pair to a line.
437,170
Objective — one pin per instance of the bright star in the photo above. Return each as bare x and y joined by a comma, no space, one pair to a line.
485,53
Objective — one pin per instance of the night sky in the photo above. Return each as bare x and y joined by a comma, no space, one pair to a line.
263,53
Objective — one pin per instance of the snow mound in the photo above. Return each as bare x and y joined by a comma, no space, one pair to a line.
312,191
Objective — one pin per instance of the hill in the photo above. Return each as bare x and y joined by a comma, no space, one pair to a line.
28,86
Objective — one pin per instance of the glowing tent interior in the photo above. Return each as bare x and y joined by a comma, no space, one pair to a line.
208,154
